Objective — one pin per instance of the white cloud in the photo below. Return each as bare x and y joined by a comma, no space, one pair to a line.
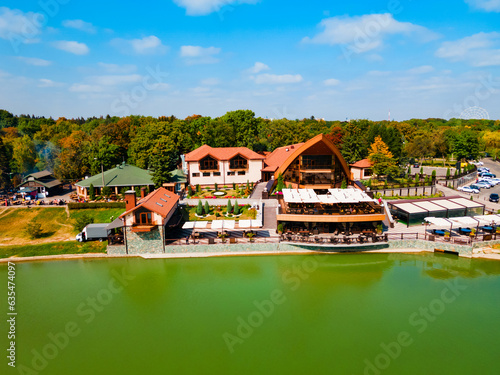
80,25
114,80
331,82
148,45
15,24
482,49
84,88
199,55
44,82
35,61
365,33
203,7
421,69
117,69
274,79
487,5
258,67
76,48
210,82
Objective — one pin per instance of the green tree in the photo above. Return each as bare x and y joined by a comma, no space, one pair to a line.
448,173
106,191
34,229
92,192
207,208
163,159
236,208
466,144
343,185
23,154
381,158
82,221
280,184
5,171
190,191
216,186
229,206
199,209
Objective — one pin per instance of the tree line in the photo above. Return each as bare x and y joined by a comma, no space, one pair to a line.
72,148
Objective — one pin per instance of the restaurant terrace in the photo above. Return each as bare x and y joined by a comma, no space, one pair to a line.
337,210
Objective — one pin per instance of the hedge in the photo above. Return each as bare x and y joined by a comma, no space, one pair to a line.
86,206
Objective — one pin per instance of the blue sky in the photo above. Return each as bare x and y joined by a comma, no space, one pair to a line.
294,59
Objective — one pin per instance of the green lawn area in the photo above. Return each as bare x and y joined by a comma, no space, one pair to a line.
230,193
53,248
100,215
54,220
246,214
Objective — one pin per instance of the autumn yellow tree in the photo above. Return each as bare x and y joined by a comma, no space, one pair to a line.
381,158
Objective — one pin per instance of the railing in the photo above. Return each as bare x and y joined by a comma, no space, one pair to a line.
219,241
318,211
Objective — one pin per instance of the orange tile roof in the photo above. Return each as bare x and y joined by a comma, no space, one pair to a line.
222,153
279,156
365,163
160,201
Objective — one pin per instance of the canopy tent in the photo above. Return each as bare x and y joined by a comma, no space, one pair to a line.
490,219
228,224
244,223
200,224
467,221
188,225
217,224
334,196
440,222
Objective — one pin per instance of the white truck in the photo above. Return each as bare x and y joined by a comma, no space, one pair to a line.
93,232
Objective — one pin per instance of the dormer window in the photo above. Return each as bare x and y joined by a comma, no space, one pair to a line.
209,163
238,162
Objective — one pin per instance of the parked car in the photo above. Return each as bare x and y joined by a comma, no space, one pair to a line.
483,169
483,184
494,197
468,189
475,187
488,180
488,174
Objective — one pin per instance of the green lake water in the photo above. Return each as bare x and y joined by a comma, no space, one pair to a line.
329,314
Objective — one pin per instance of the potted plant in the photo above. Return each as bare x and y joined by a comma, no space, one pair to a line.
447,236
380,229
472,232
250,236
280,228
222,236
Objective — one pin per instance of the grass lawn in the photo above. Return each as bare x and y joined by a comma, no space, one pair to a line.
53,248
55,223
246,214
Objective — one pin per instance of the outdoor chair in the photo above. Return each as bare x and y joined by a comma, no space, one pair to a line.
211,241
232,240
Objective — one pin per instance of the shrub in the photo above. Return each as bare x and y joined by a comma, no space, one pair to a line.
290,186
82,221
199,209
343,185
92,192
417,178
216,186
236,208
448,173
234,186
280,228
34,229
106,191
229,206
198,189
190,190
207,208
248,185
433,174
421,170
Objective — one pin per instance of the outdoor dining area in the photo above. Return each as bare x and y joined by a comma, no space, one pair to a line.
341,238
463,229
334,202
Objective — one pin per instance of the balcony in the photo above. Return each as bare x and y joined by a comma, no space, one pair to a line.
141,228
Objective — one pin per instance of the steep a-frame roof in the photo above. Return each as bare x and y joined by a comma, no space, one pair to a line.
160,201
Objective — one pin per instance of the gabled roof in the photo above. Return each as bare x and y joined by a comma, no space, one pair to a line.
40,174
365,163
123,175
222,153
160,201
279,156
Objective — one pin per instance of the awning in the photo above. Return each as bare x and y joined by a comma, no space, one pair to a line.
490,219
200,224
244,223
217,224
466,221
229,224
188,225
117,223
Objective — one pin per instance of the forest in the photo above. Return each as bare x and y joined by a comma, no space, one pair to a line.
72,148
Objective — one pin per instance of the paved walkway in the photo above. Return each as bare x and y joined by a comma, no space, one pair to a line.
257,191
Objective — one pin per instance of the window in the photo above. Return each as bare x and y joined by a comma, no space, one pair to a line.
196,175
144,218
216,174
367,173
231,173
208,163
206,174
241,173
238,163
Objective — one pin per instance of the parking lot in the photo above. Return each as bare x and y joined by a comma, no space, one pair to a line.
484,194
